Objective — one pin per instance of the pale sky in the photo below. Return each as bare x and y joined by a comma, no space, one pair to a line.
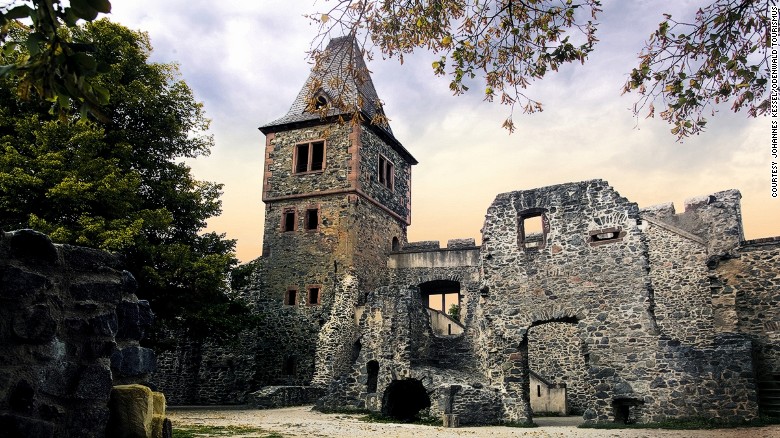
246,61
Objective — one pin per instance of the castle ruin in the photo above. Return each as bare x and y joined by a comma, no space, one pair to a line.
576,301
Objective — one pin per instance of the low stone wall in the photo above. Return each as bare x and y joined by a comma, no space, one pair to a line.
69,330
281,396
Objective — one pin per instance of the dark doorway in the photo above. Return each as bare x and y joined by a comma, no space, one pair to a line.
404,399
372,368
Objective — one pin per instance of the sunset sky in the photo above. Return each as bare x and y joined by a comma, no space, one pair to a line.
246,61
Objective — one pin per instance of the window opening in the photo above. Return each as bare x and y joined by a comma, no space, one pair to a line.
440,295
533,230
385,172
312,219
290,297
372,367
606,235
288,220
538,390
395,246
320,102
309,157
314,296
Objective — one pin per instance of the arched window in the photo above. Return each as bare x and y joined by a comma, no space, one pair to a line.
395,246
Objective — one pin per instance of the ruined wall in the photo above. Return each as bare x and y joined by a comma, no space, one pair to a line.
602,287
591,266
746,295
715,218
680,282
69,329
555,354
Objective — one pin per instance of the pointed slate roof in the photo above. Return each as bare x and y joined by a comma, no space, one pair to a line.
342,78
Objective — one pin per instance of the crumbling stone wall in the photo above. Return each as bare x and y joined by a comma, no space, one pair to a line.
69,329
680,283
593,268
555,354
746,296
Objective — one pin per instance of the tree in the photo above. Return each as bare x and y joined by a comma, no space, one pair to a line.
118,184
54,66
691,67
720,56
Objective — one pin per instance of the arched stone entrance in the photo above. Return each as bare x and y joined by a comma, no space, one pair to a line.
404,399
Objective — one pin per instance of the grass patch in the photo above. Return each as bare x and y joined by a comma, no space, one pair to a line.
519,424
201,431
686,424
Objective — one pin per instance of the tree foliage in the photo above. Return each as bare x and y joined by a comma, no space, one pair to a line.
686,68
118,184
691,67
509,43
55,65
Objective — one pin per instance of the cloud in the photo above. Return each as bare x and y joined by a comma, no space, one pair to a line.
247,60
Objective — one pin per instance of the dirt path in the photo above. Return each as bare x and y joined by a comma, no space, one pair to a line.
303,422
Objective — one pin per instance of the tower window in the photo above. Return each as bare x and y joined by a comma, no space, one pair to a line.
288,219
385,172
314,296
309,157
312,219
290,297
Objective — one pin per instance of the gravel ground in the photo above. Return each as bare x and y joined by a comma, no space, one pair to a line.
303,422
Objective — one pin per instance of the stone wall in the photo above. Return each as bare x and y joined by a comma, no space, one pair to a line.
591,265
746,297
555,354
680,283
70,325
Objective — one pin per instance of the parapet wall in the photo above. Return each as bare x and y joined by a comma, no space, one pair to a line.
69,330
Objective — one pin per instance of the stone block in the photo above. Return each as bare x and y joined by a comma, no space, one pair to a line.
131,412
16,283
94,383
133,361
35,324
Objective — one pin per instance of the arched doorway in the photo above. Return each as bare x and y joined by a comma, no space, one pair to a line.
404,399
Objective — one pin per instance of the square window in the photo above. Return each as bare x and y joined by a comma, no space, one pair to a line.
533,230
312,219
314,296
309,157
290,297
385,172
288,220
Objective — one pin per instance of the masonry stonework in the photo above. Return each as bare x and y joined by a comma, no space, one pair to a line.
640,315
70,326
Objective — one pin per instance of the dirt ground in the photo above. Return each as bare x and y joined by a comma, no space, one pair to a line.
303,422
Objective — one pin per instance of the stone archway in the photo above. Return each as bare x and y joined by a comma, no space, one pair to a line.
404,399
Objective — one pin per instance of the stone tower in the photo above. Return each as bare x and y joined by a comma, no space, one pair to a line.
337,192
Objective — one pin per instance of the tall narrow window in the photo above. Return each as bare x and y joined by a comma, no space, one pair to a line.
372,368
290,297
288,219
309,157
314,296
385,172
312,220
